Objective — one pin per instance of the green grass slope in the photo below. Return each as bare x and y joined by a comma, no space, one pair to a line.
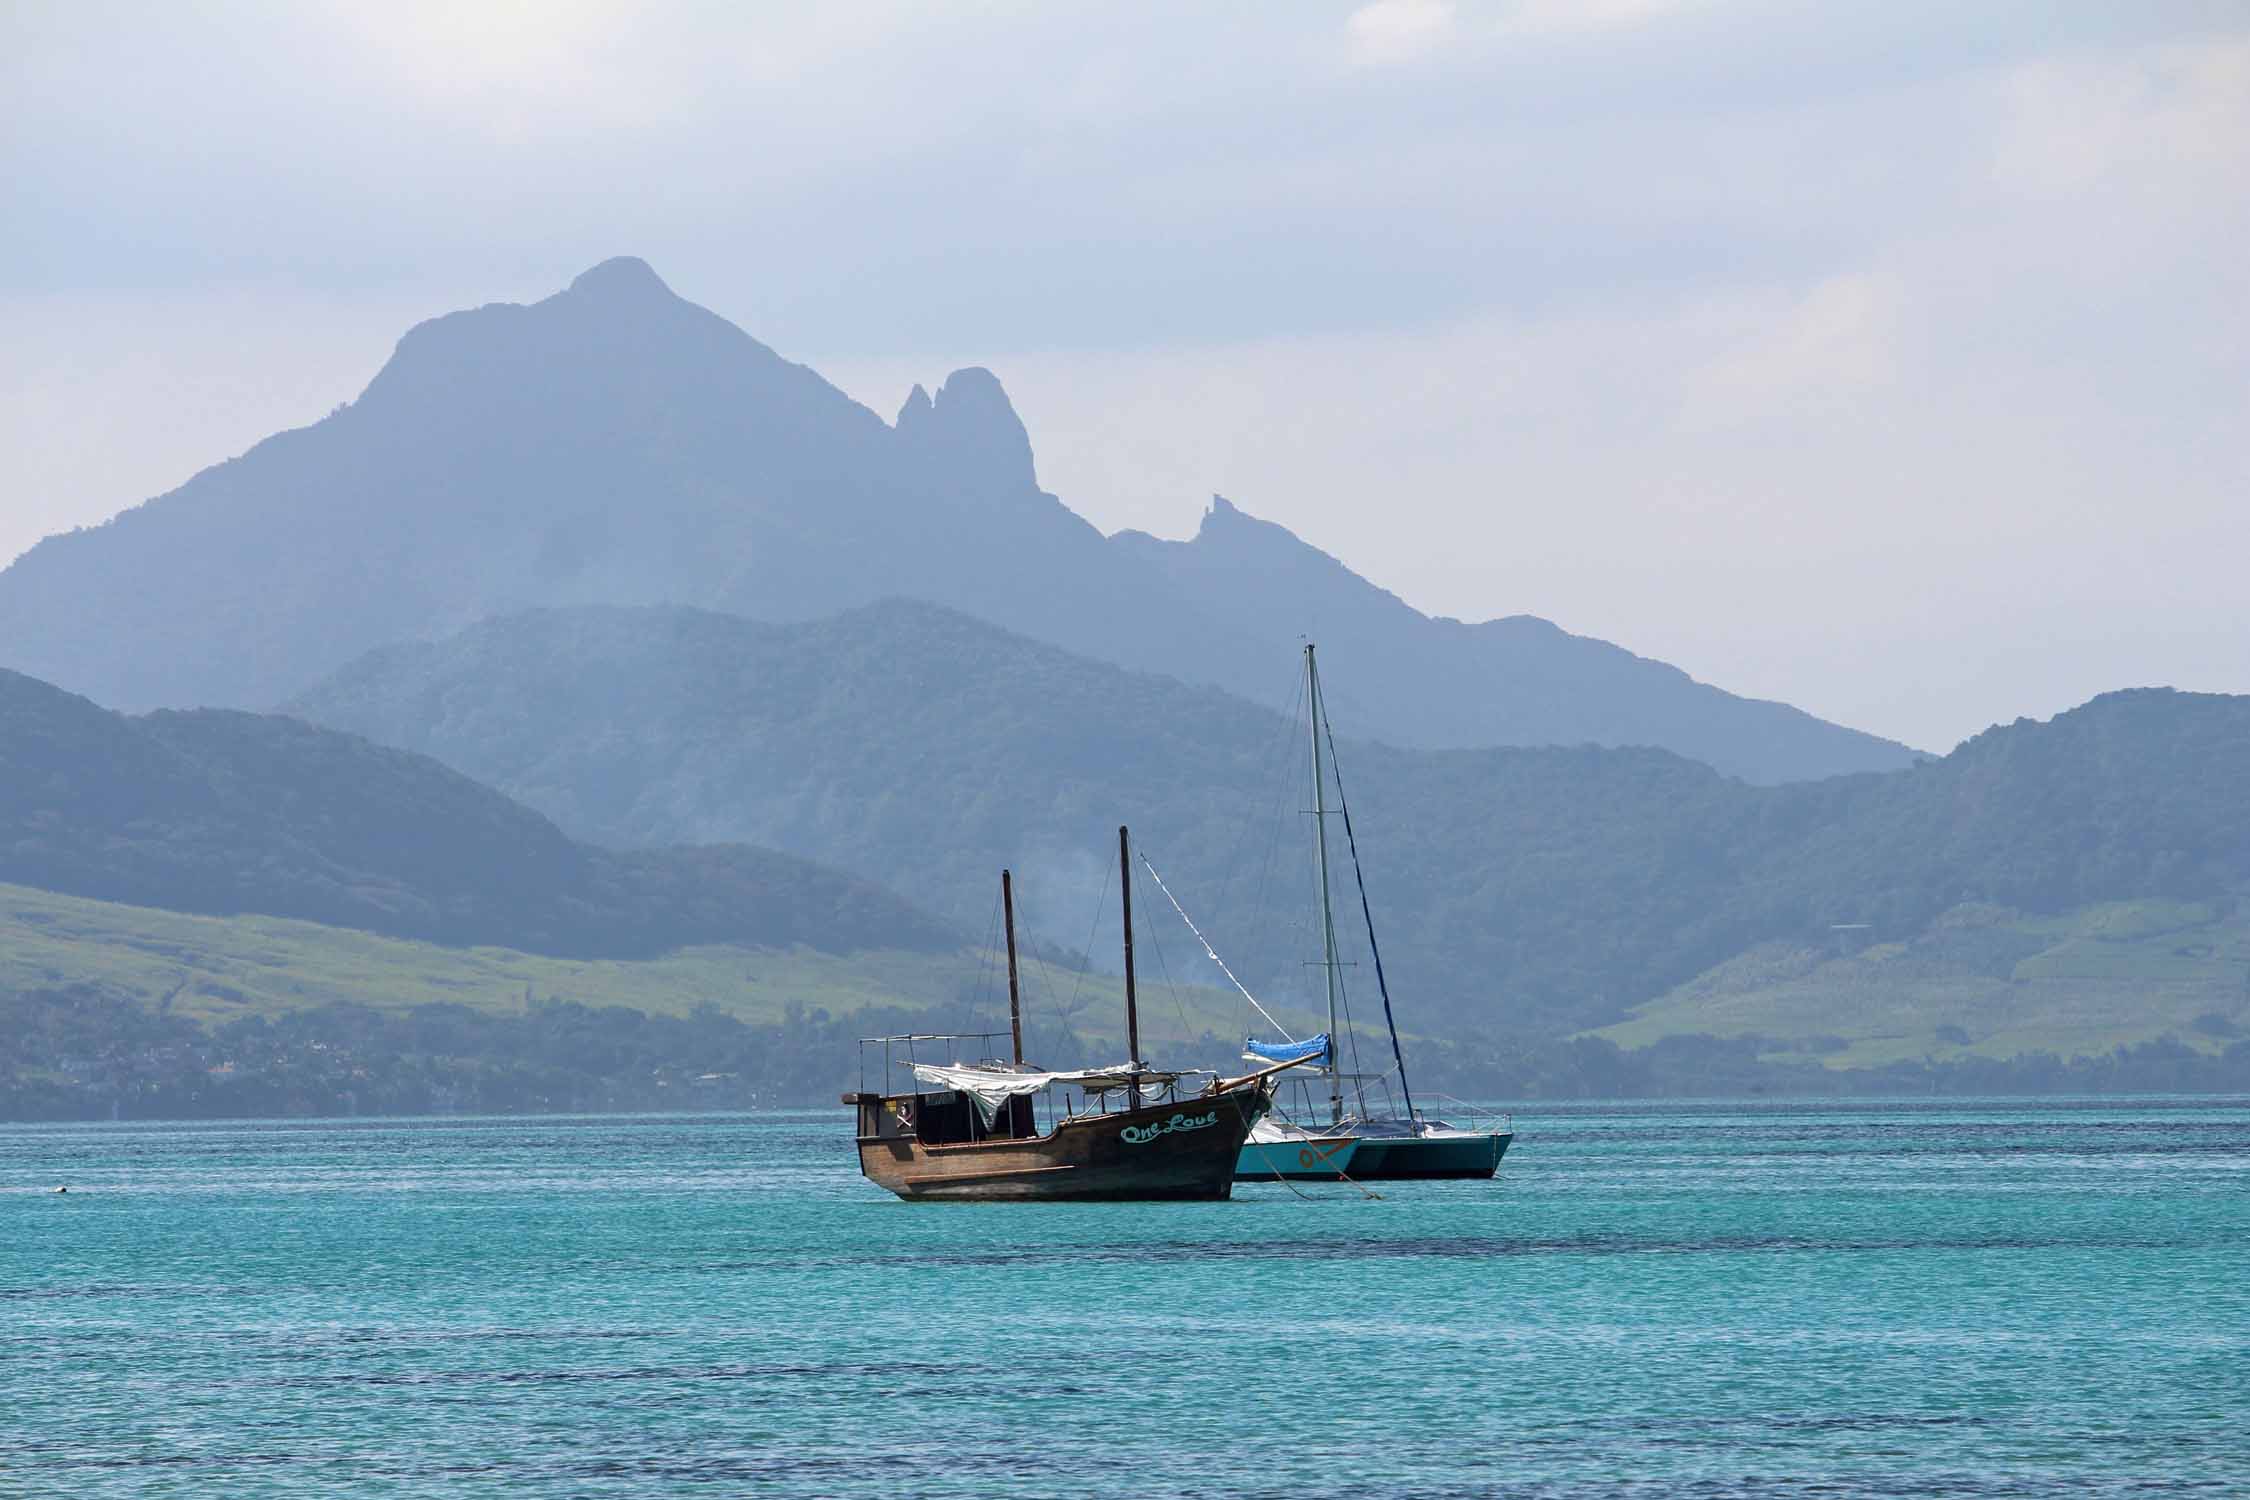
217,970
1980,982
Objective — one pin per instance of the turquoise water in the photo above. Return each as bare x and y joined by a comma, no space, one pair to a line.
1669,1300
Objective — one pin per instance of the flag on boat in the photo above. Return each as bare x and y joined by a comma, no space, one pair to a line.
1254,1050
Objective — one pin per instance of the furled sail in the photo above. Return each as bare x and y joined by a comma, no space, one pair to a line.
1312,1047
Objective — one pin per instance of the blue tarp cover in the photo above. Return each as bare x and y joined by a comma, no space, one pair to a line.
1311,1046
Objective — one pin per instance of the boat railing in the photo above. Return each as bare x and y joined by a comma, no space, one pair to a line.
1066,1102
1156,1088
1368,1096
1304,1097
1481,1117
904,1050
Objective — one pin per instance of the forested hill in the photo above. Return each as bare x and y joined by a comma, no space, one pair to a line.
616,444
1542,889
222,812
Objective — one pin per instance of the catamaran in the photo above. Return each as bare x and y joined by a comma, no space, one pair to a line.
1130,1131
1358,1131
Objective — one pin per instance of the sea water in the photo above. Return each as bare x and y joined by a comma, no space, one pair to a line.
1899,1299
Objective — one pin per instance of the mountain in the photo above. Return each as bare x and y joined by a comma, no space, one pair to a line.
616,444
1440,683
222,812
1520,890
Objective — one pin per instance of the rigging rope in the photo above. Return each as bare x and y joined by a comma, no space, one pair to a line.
1344,805
1285,788
1164,967
1359,1070
1213,952
1086,959
985,956
1046,978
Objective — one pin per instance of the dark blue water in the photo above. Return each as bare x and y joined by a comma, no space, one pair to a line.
1799,1300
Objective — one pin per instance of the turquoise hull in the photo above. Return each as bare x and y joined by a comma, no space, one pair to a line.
1311,1159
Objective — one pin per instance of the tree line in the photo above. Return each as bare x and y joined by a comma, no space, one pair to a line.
80,1054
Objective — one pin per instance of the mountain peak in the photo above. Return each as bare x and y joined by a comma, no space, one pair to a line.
974,425
621,278
1225,523
915,412
973,399
1224,513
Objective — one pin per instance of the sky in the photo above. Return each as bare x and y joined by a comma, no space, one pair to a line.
1892,360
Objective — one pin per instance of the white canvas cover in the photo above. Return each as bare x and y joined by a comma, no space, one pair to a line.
993,1087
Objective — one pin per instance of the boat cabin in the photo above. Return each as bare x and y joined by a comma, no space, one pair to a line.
962,1104
946,1117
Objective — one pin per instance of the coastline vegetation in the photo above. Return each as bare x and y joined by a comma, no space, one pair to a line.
81,1054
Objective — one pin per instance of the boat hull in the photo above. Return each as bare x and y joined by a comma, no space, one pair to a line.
1466,1155
1312,1159
1184,1150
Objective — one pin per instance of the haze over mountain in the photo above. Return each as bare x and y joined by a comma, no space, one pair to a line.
617,444
1520,891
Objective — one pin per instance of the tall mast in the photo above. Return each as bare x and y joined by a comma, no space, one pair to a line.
1132,1007
1015,1000
1367,914
1320,868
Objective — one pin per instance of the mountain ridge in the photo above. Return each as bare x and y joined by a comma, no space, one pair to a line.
1648,702
615,443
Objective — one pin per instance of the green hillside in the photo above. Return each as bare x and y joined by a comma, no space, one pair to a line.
1534,892
114,1010
1579,920
1980,982
218,970
224,813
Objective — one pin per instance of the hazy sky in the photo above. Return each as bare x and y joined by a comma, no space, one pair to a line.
1893,360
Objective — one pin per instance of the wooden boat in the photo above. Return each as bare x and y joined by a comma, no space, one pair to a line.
930,1146
972,1132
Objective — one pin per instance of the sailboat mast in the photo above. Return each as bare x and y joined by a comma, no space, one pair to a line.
1015,1000
1132,1005
1320,868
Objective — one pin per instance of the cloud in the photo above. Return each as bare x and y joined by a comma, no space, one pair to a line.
1392,31
1559,17
2074,123
1809,352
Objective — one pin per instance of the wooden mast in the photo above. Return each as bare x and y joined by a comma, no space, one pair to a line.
1132,1006
1015,1001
